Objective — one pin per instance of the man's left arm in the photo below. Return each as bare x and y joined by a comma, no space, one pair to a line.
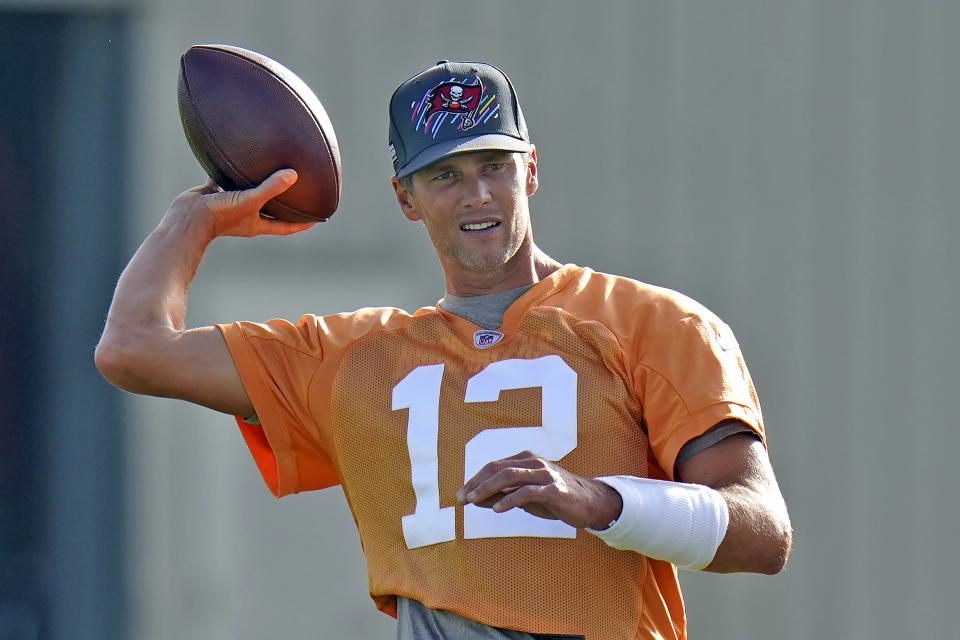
759,534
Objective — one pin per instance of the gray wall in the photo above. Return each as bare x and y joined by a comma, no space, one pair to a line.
62,524
793,165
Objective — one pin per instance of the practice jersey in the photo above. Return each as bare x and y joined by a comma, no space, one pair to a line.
603,374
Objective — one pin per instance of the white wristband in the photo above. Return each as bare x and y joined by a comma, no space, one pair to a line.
680,523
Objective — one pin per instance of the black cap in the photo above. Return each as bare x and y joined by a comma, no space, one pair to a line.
454,107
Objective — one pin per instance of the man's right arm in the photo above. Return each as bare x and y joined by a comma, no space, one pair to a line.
144,347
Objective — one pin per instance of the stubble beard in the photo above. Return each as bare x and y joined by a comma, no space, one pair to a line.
477,261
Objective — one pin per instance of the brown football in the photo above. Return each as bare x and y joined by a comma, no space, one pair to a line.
246,116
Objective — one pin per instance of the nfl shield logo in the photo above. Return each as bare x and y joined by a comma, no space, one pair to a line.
486,338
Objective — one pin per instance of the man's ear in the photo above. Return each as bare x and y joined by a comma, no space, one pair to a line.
532,182
405,199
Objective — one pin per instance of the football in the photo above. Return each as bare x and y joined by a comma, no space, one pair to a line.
246,116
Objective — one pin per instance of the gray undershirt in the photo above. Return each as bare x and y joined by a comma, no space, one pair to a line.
485,311
417,622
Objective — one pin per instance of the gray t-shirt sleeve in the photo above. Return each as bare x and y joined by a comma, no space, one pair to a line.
712,436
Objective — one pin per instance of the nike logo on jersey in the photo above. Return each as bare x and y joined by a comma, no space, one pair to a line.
725,338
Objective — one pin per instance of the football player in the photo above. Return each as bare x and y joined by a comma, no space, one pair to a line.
534,456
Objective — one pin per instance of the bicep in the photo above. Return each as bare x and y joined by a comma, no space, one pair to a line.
737,459
208,374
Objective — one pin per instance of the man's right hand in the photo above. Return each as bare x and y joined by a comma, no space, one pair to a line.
145,347
237,213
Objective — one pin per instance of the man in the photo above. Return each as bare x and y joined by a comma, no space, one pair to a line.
534,456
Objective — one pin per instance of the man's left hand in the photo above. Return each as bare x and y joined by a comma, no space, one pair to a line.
544,489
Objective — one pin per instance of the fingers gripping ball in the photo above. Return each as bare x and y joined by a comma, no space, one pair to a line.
245,116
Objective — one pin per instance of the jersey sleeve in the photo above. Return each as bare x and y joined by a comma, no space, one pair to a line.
277,362
691,377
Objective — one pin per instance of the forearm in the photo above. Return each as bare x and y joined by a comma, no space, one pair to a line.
680,523
152,290
150,301
727,514
759,534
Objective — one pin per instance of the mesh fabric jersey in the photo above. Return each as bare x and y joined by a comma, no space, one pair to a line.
605,374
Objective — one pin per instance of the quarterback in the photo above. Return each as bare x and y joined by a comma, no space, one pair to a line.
536,455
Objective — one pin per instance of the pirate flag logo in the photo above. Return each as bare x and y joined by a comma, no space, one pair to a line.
456,97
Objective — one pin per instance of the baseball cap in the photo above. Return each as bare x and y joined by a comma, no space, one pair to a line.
454,107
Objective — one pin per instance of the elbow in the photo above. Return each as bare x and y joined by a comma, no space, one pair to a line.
121,362
779,552
112,361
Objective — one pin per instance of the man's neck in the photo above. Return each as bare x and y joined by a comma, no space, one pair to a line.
527,272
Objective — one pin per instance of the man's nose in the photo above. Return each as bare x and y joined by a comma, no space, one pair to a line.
476,192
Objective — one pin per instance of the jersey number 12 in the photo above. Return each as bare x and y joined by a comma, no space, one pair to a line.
419,392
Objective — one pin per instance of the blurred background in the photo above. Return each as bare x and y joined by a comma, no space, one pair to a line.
792,164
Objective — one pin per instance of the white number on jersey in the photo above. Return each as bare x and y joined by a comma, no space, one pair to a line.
419,392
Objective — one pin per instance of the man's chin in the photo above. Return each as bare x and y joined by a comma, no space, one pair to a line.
483,264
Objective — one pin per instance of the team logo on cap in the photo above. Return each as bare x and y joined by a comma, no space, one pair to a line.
461,104
455,97
486,338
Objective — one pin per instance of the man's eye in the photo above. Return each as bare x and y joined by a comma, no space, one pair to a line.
496,166
446,175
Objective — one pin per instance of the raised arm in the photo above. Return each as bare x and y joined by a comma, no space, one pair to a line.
144,347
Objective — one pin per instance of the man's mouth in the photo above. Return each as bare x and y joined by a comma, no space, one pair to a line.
479,226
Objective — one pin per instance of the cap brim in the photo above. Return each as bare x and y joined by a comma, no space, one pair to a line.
488,142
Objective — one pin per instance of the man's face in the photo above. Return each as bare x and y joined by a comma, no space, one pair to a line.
474,206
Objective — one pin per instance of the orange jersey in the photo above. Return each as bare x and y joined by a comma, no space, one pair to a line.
604,374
